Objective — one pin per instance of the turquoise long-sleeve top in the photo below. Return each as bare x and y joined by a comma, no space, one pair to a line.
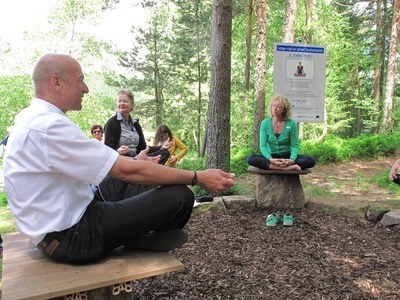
288,140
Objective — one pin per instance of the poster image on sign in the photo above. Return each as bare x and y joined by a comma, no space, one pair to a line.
299,69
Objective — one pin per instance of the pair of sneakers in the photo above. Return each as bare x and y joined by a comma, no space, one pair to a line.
273,219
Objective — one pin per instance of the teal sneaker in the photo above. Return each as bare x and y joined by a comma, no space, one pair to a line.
272,220
287,220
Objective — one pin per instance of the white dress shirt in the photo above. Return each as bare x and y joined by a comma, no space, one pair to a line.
49,165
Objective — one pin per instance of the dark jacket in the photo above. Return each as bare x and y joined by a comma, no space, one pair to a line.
112,132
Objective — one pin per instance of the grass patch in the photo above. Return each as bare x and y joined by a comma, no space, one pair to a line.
317,191
338,184
7,222
386,205
382,181
362,181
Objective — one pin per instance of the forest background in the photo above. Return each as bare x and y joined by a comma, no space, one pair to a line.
173,69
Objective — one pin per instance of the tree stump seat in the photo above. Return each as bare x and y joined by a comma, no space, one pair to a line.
29,274
279,189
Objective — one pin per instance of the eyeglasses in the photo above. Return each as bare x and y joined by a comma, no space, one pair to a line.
97,131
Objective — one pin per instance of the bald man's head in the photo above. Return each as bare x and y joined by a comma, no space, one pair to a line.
48,65
58,79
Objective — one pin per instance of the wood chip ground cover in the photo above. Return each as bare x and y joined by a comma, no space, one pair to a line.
233,255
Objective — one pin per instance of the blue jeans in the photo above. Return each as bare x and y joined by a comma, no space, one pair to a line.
259,161
120,213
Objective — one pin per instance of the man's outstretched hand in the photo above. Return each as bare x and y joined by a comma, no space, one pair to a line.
215,181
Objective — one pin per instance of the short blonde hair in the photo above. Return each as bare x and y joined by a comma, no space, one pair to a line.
287,106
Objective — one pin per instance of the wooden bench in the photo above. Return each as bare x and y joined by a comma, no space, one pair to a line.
279,189
29,274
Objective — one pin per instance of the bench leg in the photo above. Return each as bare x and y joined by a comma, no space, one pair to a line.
280,192
122,291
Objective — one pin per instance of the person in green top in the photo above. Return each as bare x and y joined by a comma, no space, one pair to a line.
279,141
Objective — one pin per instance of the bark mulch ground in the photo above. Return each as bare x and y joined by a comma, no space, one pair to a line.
233,255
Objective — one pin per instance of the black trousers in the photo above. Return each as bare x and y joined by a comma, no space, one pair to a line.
120,213
259,161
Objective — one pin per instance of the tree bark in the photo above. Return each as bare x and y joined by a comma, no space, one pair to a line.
156,73
378,59
391,70
199,98
260,66
378,51
218,122
309,21
290,21
248,53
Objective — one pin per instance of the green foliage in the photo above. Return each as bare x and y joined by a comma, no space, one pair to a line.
336,149
192,162
15,94
383,182
238,159
322,152
3,199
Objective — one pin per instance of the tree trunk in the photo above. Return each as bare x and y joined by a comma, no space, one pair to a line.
218,122
157,87
391,71
248,55
259,108
309,21
199,98
378,61
290,21
378,51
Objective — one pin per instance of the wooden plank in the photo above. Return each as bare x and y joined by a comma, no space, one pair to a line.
255,170
28,274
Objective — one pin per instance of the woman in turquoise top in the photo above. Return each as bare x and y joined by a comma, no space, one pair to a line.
279,142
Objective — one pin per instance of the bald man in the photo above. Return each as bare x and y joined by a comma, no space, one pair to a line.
76,198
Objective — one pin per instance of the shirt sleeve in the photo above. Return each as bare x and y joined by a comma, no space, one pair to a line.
182,147
71,152
110,133
265,129
294,141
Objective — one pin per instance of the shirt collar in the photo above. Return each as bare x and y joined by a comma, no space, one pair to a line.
45,105
120,118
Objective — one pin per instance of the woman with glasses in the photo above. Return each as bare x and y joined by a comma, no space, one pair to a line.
97,132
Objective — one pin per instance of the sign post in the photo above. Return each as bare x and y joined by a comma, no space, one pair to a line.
299,74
